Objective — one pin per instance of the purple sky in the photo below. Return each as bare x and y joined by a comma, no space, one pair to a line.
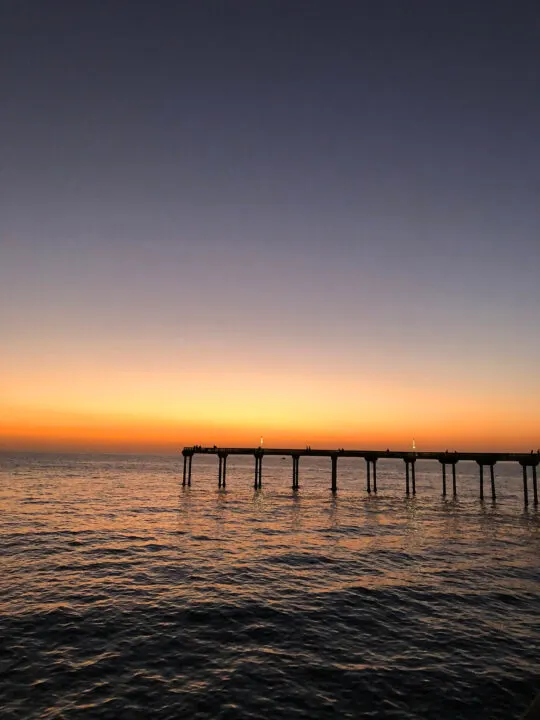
356,182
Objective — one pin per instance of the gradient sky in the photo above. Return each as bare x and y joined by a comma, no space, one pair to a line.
313,221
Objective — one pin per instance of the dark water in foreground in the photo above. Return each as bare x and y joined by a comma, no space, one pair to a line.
124,596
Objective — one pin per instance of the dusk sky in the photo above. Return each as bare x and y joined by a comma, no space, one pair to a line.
314,221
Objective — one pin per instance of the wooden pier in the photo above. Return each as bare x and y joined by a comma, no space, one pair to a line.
371,457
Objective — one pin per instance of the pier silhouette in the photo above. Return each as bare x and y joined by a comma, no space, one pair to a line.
371,457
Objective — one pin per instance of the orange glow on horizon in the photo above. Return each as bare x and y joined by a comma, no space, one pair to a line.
110,407
57,431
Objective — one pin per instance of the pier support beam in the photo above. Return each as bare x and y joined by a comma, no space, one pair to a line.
371,466
525,488
258,471
535,485
481,466
222,471
410,474
454,487
334,473
407,489
492,479
443,478
186,477
295,463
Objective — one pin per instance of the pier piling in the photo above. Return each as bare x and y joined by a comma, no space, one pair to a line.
222,469
374,463
413,476
334,473
296,461
481,466
407,489
492,479
535,485
186,477
258,471
525,488
454,487
444,479
368,476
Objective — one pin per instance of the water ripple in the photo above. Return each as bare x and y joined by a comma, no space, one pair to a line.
124,596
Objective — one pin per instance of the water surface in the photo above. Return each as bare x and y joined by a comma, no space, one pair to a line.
123,595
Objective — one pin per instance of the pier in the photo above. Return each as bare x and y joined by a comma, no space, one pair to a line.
448,460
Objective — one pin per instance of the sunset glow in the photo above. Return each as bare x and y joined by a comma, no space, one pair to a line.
195,247
120,410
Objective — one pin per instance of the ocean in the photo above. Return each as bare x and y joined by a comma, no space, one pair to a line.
124,595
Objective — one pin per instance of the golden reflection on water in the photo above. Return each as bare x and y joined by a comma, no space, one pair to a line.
134,509
353,583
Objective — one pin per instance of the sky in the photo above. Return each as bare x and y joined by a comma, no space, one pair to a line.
316,222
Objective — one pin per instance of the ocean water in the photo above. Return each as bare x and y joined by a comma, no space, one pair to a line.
124,595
